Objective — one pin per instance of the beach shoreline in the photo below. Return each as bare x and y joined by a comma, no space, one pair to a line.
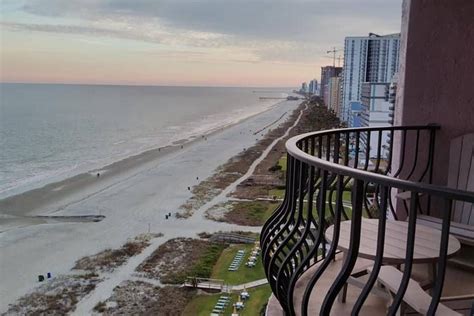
22,208
92,138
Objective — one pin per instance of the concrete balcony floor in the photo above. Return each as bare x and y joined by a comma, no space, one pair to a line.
457,282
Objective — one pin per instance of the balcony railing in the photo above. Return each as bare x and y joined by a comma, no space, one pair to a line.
334,176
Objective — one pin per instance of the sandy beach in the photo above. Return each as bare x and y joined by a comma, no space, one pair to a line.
129,198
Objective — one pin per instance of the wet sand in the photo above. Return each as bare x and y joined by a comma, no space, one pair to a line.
43,199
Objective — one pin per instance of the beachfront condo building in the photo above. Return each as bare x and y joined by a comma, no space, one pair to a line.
327,72
313,86
304,87
372,58
334,88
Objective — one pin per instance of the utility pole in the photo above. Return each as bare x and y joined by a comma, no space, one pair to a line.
339,61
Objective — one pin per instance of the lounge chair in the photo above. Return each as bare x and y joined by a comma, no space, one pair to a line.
415,296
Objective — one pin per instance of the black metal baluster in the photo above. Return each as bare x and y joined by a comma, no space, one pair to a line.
367,150
307,231
390,151
415,160
443,256
399,170
321,215
379,151
289,258
410,247
378,254
431,162
352,252
273,237
269,224
283,211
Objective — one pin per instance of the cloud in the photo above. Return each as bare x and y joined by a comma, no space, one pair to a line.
282,31
77,29
289,20
131,31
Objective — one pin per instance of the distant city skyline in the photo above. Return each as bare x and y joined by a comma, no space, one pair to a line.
179,42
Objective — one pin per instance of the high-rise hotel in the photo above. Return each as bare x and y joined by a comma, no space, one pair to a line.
372,58
327,73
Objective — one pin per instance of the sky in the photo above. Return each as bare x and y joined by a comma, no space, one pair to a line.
271,43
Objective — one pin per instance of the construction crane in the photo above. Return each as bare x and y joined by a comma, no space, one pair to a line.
333,51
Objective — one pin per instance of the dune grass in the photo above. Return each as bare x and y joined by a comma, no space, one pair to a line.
202,268
279,193
253,213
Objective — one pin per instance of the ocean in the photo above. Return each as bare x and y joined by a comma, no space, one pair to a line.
49,132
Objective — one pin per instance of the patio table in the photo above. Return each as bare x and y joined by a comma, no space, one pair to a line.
426,250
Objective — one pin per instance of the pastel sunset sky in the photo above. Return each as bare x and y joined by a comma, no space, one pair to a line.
181,42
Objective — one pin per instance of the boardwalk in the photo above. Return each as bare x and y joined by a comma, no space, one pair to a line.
206,284
232,238
219,285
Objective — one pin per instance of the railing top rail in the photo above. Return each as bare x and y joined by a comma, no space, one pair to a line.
419,187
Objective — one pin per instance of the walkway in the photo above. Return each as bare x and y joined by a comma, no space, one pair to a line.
249,285
225,287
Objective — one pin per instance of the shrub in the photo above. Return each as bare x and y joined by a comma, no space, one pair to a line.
274,168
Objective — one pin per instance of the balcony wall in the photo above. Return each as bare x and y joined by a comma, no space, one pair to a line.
436,76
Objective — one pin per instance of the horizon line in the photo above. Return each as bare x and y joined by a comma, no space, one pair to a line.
145,85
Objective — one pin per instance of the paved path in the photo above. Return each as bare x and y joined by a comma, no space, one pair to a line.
104,289
249,285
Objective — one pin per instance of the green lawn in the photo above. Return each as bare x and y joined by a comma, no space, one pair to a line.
244,274
202,305
258,298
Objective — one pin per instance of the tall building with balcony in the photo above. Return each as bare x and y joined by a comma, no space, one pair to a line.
372,58
327,73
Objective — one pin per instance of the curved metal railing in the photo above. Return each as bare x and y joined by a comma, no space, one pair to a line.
341,174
